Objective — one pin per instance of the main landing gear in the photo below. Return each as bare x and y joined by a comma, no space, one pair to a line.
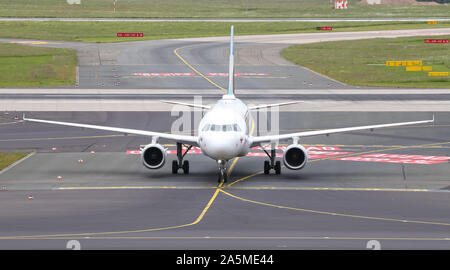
271,164
222,175
180,164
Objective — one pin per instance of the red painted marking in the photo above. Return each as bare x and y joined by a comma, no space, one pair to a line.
325,28
398,156
314,154
391,160
134,152
436,40
317,148
130,34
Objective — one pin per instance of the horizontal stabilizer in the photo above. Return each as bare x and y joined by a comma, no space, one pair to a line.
272,105
187,104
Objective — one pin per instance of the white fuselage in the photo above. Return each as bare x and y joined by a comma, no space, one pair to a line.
223,131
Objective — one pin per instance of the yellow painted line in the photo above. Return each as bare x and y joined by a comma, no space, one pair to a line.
249,238
334,213
208,205
199,218
330,188
437,74
403,63
136,187
244,178
194,69
244,188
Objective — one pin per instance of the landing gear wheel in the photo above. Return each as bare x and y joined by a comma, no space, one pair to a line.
186,167
277,167
266,167
179,163
174,167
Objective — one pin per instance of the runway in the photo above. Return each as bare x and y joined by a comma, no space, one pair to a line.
389,185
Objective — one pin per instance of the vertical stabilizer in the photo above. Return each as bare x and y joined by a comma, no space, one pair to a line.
231,67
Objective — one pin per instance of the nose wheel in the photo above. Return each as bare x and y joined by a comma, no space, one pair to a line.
179,163
271,164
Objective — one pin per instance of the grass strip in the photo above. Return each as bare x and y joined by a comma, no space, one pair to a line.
28,66
363,62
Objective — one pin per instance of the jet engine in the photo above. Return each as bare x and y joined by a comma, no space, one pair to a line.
153,156
295,157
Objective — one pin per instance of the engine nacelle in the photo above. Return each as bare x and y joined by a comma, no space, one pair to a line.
153,156
295,157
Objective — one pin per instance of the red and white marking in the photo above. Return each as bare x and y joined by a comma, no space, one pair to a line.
397,158
315,152
316,148
340,4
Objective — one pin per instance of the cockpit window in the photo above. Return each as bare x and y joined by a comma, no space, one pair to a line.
224,128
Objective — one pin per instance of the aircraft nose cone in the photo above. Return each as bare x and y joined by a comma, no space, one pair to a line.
220,147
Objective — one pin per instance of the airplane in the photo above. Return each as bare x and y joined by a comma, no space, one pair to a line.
223,134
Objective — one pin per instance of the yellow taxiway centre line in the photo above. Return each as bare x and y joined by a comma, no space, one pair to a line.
333,213
331,189
194,69
199,218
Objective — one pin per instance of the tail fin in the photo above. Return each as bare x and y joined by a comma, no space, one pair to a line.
231,67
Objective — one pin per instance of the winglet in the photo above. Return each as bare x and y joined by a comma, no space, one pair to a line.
231,64
23,117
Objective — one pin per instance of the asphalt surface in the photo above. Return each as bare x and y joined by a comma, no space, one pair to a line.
341,200
110,201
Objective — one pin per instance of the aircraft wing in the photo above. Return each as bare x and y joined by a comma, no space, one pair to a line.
270,138
192,140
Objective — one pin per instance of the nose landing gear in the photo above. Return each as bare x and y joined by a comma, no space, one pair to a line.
180,164
222,175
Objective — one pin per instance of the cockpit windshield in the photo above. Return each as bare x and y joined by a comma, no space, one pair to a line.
224,128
